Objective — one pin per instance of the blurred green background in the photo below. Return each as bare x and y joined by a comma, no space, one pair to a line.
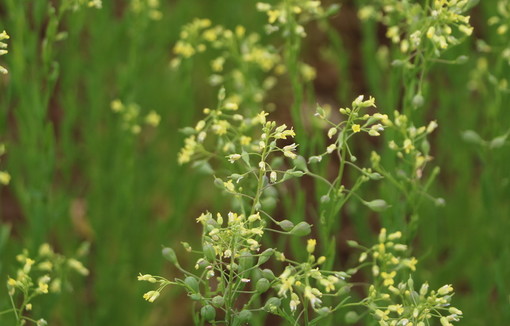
78,176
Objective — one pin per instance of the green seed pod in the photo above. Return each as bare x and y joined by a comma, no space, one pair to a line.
425,146
264,256
324,311
418,101
471,136
169,254
208,312
268,274
277,162
351,317
294,173
219,183
218,301
300,163
375,176
269,203
196,297
301,229
256,275
244,316
262,285
192,284
203,167
188,131
462,59
325,199
245,261
286,225
377,205
272,305
352,243
209,252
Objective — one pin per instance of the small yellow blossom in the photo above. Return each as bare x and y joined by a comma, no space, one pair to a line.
5,178
356,128
310,246
229,185
273,15
117,106
151,296
42,287
245,140
153,119
78,266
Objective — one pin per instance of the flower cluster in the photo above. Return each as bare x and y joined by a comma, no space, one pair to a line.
148,7
414,27
394,301
131,116
502,20
306,283
234,135
44,274
289,17
355,122
241,64
488,75
3,49
236,237
410,144
76,4
230,261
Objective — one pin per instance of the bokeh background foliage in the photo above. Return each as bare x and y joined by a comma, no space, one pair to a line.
78,176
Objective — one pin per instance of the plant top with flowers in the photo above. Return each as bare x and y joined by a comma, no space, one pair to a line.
243,272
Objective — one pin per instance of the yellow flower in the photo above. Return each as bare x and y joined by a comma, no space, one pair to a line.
147,277
245,140
229,186
11,282
5,178
261,118
310,246
273,15
356,128
388,278
445,289
43,287
151,296
221,127
78,266
153,119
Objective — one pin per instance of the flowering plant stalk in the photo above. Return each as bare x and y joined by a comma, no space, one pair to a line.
235,272
242,275
47,273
